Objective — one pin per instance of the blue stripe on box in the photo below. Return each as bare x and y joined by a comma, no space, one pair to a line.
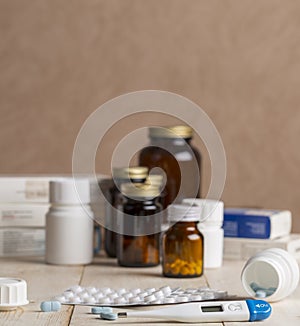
241,225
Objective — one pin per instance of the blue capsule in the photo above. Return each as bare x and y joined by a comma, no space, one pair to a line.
47,306
108,316
254,286
99,310
262,292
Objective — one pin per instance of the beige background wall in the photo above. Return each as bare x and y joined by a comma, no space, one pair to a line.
239,60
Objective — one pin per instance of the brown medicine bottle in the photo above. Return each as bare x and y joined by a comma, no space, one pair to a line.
137,174
182,248
170,149
158,181
139,243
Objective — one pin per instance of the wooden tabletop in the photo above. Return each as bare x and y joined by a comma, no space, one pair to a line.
45,281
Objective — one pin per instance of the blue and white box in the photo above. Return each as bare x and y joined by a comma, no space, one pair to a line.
256,223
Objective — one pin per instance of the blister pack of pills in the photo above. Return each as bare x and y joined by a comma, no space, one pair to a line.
106,296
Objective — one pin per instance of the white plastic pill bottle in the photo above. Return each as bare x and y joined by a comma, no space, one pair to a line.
69,223
210,225
274,271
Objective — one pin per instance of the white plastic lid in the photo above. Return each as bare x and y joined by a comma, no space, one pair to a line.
183,213
13,293
211,211
69,191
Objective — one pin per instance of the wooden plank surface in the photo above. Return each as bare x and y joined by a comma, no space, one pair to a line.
45,281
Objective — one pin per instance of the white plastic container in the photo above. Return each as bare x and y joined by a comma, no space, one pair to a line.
210,225
273,269
69,223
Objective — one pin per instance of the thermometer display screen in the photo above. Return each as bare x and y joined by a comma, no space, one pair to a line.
212,308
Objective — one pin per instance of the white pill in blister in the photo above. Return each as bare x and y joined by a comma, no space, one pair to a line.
158,294
195,297
60,298
98,296
91,290
127,295
220,294
121,291
121,296
105,300
143,294
113,295
75,300
207,296
135,300
83,295
136,291
76,288
150,298
169,300
120,300
182,298
91,300
150,290
105,290
68,294
166,289
173,295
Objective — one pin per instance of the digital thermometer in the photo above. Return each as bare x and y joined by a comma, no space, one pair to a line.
217,311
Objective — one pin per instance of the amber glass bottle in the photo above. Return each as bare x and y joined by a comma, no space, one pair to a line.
183,243
170,149
136,174
158,181
139,243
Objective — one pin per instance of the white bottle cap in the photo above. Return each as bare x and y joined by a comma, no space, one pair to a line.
69,191
13,293
212,211
183,213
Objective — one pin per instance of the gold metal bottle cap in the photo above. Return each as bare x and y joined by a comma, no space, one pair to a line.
155,180
171,132
136,172
140,190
